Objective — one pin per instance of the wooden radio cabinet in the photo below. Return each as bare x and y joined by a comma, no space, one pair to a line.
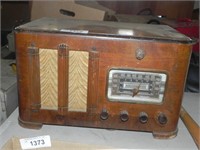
101,74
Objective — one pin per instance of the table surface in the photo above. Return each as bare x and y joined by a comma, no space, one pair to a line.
116,139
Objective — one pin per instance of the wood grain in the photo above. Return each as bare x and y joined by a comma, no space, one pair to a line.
112,53
191,125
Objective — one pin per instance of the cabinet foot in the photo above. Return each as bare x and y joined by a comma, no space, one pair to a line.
165,135
30,125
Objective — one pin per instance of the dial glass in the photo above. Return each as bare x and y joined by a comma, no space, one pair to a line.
136,86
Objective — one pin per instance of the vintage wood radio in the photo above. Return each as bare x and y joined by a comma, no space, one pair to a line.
101,74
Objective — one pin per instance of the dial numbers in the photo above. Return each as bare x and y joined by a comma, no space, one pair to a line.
136,86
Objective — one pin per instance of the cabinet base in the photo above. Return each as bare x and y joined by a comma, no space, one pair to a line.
29,125
165,135
156,135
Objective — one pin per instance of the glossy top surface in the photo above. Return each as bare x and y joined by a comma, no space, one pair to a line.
106,28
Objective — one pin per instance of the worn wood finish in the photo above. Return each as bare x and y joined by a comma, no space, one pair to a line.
102,54
191,125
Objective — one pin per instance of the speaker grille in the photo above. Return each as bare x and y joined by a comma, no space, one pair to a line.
48,78
78,81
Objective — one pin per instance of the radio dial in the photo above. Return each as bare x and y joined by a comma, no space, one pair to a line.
124,116
133,86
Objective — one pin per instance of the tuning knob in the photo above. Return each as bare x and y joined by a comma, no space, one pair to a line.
162,119
124,116
143,117
104,114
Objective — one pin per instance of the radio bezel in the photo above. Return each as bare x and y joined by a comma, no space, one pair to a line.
153,71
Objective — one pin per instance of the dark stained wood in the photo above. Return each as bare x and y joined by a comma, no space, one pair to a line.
62,78
105,53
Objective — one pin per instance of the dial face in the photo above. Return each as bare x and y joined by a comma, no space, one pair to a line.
136,86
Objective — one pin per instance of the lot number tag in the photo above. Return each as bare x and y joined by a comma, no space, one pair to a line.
35,142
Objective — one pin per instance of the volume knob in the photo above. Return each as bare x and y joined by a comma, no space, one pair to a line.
143,117
162,119
124,116
104,114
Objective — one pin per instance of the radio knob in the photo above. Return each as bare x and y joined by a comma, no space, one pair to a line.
143,117
124,116
104,114
162,119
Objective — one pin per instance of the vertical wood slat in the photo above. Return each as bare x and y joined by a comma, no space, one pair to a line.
93,81
34,87
62,78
